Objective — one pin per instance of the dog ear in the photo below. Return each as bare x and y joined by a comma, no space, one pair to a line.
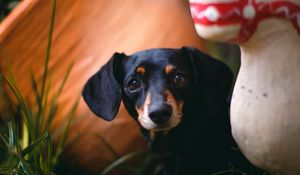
102,92
213,80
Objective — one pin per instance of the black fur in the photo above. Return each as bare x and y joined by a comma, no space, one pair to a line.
202,143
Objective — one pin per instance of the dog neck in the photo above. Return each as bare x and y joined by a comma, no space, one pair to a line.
165,149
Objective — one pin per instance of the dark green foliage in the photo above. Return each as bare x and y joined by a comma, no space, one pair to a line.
26,143
140,162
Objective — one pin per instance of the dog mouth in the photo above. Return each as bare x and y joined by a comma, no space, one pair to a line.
148,124
160,115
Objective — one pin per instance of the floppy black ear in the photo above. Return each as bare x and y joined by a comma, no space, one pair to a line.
213,80
102,92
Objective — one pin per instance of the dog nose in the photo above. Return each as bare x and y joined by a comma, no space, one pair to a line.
160,114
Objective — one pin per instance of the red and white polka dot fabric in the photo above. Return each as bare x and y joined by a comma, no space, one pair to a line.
242,15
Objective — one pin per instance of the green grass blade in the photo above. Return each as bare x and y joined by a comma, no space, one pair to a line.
224,172
42,164
70,115
4,169
10,136
9,73
35,144
25,135
157,170
62,85
45,105
144,166
78,136
61,144
54,102
25,168
48,87
40,154
4,139
49,155
51,114
121,161
23,106
28,121
38,102
14,90
16,138
48,51
35,90
12,83
62,140
110,148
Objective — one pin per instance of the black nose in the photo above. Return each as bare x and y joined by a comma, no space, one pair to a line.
160,114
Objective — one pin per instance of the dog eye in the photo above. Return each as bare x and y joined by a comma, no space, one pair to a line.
179,79
133,84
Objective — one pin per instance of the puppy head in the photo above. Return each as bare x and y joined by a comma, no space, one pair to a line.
156,84
153,84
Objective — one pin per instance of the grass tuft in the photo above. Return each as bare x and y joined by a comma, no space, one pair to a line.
26,143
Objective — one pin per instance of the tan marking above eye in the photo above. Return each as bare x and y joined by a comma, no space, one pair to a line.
169,69
141,70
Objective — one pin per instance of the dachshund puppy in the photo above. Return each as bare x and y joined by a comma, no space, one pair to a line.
179,98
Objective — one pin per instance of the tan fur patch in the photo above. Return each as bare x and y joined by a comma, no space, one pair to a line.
139,110
169,69
147,123
180,105
141,70
147,100
143,117
176,105
152,135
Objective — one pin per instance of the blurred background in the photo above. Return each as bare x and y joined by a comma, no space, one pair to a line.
85,35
